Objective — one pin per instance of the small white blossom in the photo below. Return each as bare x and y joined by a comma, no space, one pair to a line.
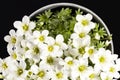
25,26
85,21
40,37
59,74
102,58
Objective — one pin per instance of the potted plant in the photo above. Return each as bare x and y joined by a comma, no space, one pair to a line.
61,41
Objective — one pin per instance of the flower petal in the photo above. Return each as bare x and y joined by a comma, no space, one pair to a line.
32,25
26,20
50,41
12,32
89,16
59,38
17,24
7,38
45,32
79,17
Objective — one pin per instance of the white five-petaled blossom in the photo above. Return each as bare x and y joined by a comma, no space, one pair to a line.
80,69
40,37
112,69
12,39
85,21
50,62
80,37
68,63
25,26
40,72
90,52
92,74
50,48
103,58
59,74
34,52
19,71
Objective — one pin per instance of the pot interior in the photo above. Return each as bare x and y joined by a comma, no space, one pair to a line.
59,6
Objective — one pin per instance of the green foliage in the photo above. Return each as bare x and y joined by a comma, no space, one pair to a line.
58,22
63,21
103,37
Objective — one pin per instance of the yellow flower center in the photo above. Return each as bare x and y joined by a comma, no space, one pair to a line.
90,51
41,38
20,71
112,69
50,48
85,22
26,48
82,68
82,50
59,75
13,40
25,27
82,35
4,65
30,73
14,55
70,62
92,76
102,59
36,50
41,74
50,60
108,78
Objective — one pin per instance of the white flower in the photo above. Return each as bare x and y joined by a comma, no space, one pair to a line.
68,62
19,71
40,72
6,65
25,26
50,62
12,38
34,52
80,37
40,37
80,69
80,32
102,58
15,54
85,21
105,76
112,69
92,75
89,52
58,74
50,48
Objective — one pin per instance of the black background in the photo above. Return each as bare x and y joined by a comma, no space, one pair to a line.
12,10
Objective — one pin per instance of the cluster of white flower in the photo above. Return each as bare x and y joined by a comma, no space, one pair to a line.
34,55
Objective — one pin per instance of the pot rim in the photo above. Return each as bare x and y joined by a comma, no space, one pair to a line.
54,5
